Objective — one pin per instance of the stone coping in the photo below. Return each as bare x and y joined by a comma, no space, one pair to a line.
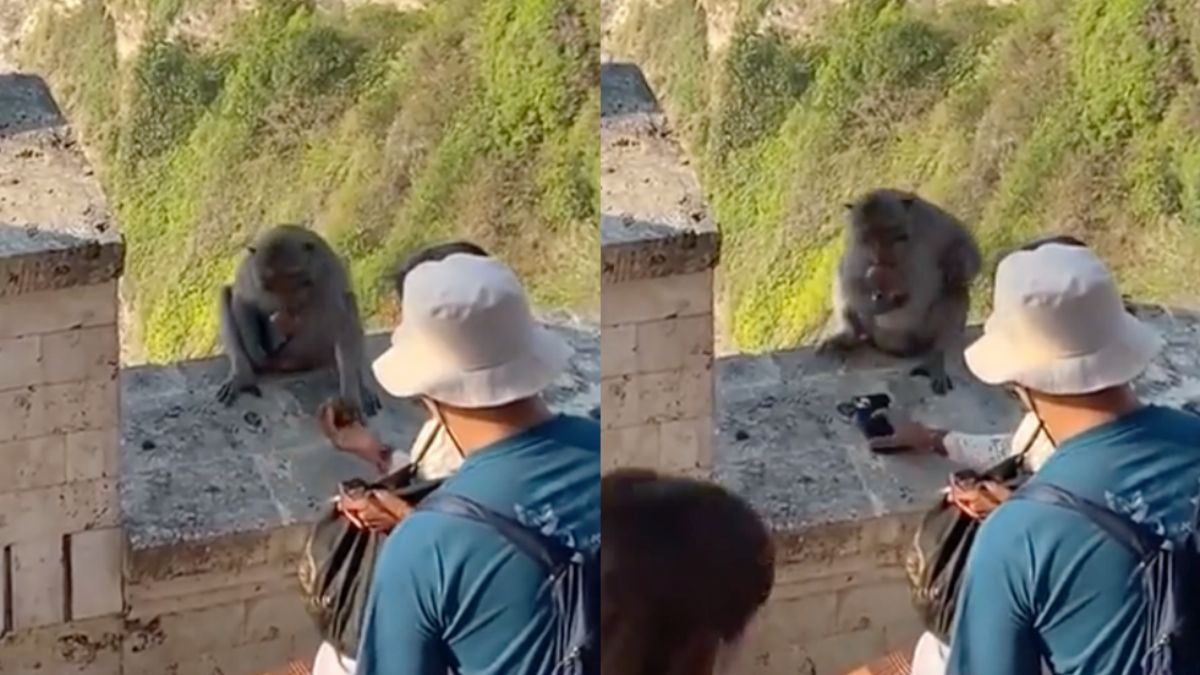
781,444
654,220
196,476
56,230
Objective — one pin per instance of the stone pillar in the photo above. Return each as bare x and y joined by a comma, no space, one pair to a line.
60,524
658,252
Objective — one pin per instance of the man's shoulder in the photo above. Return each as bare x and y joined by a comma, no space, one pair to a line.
1016,521
582,432
1177,421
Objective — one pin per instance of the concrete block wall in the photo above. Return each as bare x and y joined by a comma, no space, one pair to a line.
656,373
62,546
840,599
658,251
230,606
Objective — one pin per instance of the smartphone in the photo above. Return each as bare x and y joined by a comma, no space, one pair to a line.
851,409
869,414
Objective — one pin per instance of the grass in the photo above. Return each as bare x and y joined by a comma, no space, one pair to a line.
1076,116
385,130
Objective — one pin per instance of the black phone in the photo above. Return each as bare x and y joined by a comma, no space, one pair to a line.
869,414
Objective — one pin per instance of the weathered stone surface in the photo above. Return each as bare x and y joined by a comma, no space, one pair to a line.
782,445
654,221
55,228
91,647
204,486
97,563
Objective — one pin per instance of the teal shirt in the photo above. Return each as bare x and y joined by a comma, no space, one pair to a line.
452,595
1042,580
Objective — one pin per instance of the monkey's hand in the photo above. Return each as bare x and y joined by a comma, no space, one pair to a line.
840,344
234,387
939,379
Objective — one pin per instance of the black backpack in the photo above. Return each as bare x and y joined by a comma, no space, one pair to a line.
1170,571
936,562
575,575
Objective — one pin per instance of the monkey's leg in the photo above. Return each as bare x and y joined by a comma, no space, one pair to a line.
351,356
948,317
933,366
239,335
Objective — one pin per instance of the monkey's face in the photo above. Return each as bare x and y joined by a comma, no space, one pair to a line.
285,270
880,229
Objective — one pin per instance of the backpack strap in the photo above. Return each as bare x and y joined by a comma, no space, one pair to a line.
1134,537
534,544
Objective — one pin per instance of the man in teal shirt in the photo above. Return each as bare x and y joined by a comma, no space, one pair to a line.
451,595
1043,583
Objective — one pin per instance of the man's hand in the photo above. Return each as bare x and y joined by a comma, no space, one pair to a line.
377,510
980,498
910,434
349,435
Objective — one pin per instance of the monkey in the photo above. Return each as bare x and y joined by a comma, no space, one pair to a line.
903,283
291,309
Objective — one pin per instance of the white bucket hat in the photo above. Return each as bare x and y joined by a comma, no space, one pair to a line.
467,337
1059,326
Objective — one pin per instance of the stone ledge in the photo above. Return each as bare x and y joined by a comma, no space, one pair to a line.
781,444
201,481
654,220
56,230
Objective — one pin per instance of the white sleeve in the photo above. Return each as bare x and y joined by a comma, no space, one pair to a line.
977,451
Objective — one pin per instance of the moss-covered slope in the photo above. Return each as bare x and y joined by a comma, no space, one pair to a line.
1078,116
472,118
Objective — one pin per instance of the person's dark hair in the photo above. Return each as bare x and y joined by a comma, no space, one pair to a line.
430,254
1061,239
685,565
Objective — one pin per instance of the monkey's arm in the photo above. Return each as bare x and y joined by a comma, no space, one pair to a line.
242,338
850,327
960,261
350,351
948,319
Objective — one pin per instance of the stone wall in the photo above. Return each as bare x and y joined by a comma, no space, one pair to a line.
658,251
60,519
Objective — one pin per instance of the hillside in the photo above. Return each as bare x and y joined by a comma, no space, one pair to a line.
1075,116
385,127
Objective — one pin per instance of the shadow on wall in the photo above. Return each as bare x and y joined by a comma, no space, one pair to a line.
624,91
26,104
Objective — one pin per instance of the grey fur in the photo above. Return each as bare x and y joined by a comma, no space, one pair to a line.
937,260
315,295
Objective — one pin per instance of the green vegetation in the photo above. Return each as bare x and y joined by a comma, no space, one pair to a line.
387,130
1077,116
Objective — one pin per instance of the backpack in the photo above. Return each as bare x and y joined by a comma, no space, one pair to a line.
936,561
1170,572
575,576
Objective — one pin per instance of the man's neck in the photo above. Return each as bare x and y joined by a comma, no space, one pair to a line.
1066,417
474,430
